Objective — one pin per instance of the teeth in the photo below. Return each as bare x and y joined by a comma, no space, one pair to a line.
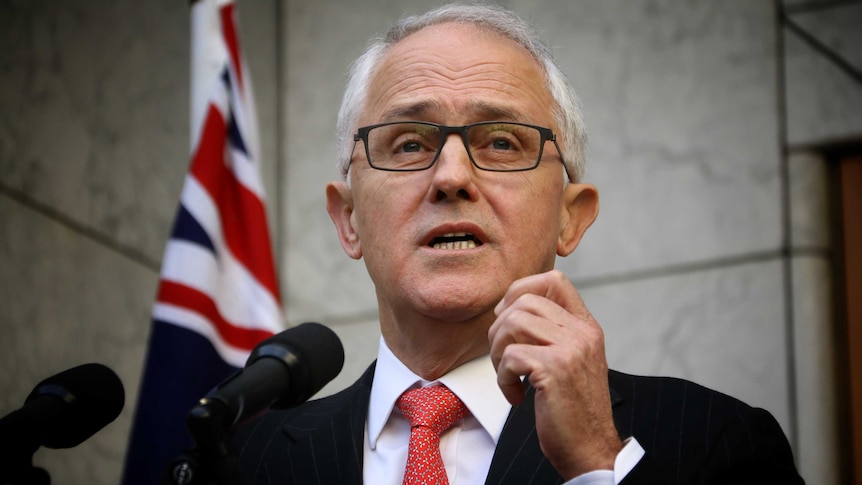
463,244
455,245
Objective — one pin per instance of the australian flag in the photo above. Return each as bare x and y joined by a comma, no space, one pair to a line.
218,295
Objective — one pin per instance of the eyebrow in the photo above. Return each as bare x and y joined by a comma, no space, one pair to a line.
414,110
476,109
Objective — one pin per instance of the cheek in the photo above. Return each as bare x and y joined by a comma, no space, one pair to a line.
533,220
382,214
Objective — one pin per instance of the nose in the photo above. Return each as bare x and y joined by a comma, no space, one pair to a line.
453,173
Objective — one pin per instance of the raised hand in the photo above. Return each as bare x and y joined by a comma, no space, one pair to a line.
544,331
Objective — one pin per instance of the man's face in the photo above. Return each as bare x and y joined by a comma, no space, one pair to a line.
454,74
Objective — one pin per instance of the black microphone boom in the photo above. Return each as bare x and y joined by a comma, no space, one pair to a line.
66,409
283,370
61,412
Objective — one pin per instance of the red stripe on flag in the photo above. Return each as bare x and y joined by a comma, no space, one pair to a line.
191,299
242,213
232,41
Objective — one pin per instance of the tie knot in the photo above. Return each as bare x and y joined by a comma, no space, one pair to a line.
436,408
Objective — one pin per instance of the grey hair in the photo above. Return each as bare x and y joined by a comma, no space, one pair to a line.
567,113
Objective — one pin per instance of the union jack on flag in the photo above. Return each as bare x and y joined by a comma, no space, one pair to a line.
218,295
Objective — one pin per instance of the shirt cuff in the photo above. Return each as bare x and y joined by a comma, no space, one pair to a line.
626,460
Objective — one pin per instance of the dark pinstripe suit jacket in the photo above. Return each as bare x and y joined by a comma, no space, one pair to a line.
691,435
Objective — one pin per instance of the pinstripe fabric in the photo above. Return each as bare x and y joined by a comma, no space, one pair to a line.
317,443
690,434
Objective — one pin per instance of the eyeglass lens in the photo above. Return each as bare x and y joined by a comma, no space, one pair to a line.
492,146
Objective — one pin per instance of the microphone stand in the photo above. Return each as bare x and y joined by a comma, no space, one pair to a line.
211,461
16,468
16,454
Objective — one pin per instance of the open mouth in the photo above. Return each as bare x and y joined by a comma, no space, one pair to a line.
455,240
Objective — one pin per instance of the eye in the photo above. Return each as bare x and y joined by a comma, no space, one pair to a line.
501,144
411,147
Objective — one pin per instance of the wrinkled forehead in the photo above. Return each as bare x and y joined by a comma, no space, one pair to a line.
459,71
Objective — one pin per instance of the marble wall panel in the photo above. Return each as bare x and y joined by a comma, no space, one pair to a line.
836,25
95,120
809,202
815,341
360,339
723,328
679,99
806,3
814,325
814,335
66,301
824,102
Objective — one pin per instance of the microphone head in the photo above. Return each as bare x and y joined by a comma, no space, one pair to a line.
90,396
313,354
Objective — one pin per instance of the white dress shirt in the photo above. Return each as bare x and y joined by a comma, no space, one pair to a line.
468,446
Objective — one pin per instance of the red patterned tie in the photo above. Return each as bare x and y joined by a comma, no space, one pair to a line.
431,411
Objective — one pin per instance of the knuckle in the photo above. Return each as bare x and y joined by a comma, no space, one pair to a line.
509,354
558,276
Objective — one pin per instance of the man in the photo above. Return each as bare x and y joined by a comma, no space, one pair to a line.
463,152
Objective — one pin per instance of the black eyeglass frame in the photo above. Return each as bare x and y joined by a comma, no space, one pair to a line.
546,135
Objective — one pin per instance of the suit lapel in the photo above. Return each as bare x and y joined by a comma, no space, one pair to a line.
518,458
332,452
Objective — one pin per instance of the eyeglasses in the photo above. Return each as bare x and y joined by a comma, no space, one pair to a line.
497,146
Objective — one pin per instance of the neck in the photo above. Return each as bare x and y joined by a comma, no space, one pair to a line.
431,347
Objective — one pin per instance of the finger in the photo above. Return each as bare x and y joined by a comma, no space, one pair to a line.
527,323
553,285
563,345
530,318
517,360
536,320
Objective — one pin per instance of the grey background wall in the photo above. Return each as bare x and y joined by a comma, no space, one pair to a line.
710,260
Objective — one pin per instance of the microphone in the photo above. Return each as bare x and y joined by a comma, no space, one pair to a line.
65,409
282,371
61,412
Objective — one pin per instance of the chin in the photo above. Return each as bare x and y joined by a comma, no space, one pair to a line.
457,306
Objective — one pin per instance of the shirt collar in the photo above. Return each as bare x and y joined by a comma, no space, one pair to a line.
474,382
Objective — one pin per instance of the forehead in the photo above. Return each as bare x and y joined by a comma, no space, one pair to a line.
456,74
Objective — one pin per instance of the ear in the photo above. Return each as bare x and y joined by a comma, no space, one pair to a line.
339,204
580,208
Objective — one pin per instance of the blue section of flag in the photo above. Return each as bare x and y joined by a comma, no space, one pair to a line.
233,134
184,365
187,228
